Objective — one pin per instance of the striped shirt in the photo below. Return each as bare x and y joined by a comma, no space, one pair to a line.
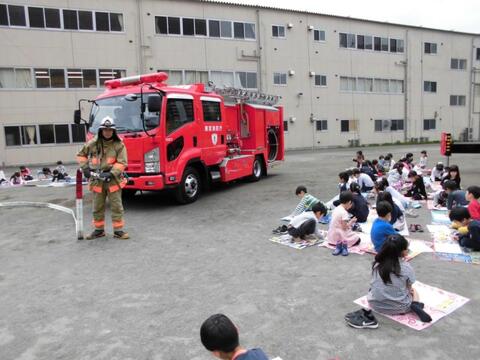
305,204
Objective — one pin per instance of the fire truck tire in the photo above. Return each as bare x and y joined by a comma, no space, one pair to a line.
189,188
257,169
128,193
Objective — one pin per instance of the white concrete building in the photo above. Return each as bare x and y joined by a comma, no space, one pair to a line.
342,80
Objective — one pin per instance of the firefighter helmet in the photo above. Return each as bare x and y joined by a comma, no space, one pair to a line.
107,123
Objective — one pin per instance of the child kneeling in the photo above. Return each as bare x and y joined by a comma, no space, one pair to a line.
340,232
307,223
391,291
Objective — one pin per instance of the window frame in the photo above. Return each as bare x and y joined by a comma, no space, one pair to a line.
430,86
323,125
278,28
319,31
38,137
429,123
32,79
320,76
280,73
425,43
183,123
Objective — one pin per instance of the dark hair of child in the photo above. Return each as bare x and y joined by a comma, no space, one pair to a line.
424,152
388,157
412,174
387,260
450,185
59,162
459,214
385,196
55,172
344,176
374,162
300,189
474,190
439,166
345,197
15,174
384,208
381,184
356,171
454,168
319,207
22,167
355,188
359,152
381,157
218,333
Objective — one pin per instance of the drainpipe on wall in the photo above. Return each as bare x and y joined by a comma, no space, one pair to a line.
405,90
141,66
259,54
470,94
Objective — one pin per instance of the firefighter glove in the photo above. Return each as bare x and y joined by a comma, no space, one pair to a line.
87,173
106,176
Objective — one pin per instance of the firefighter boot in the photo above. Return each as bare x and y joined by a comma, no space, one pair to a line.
97,233
121,235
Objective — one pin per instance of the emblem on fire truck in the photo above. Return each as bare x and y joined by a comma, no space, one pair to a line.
214,139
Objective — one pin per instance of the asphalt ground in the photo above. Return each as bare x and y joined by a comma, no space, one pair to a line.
146,298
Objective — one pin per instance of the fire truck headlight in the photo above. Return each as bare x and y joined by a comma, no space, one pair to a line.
152,161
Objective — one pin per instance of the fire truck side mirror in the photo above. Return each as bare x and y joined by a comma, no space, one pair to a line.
154,103
77,117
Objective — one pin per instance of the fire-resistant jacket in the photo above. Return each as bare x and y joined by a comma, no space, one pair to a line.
101,155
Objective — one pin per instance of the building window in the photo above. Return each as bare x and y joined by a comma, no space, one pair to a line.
223,78
430,86
430,48
457,100
17,15
70,20
193,77
109,74
193,27
15,78
200,27
3,15
285,125
211,111
388,125
247,80
377,43
429,124
278,31
36,17
396,45
173,25
321,125
82,78
348,125
364,42
85,20
396,86
365,84
279,78
101,21
381,85
50,78
52,18
12,135
62,135
384,43
478,53
243,30
78,133
318,35
320,80
458,64
347,40
214,28
226,29
348,83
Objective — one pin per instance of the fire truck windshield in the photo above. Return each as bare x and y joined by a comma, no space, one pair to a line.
125,112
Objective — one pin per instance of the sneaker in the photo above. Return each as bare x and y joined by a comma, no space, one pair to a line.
95,234
412,228
121,235
355,314
344,250
357,227
338,250
365,321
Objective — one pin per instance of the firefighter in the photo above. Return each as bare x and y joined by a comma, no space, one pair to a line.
103,160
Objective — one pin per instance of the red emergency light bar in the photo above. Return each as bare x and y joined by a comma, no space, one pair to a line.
135,80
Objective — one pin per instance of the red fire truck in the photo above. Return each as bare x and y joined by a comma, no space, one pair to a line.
187,137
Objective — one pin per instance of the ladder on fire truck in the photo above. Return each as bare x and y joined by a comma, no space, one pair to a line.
238,95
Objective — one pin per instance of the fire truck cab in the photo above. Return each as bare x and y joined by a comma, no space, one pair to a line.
190,136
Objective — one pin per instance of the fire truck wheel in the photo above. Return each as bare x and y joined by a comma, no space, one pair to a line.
189,189
257,169
128,193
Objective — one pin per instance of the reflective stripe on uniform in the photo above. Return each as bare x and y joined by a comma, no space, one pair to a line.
123,183
96,188
98,223
117,224
111,160
114,188
82,159
119,166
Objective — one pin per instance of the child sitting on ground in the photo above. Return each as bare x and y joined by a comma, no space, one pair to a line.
397,217
359,159
307,223
220,336
423,161
359,207
364,180
61,168
340,231
470,240
417,191
16,179
57,176
473,194
381,227
455,197
453,173
391,291
396,176
26,173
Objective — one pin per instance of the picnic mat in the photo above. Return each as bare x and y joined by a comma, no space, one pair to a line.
431,206
367,226
324,220
440,217
438,304
286,240
446,248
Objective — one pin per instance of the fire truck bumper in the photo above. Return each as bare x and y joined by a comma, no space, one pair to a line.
146,182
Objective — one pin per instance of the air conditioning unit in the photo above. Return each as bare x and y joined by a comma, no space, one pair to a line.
292,119
289,25
310,27
291,72
311,73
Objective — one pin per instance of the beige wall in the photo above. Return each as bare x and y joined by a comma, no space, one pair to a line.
139,49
